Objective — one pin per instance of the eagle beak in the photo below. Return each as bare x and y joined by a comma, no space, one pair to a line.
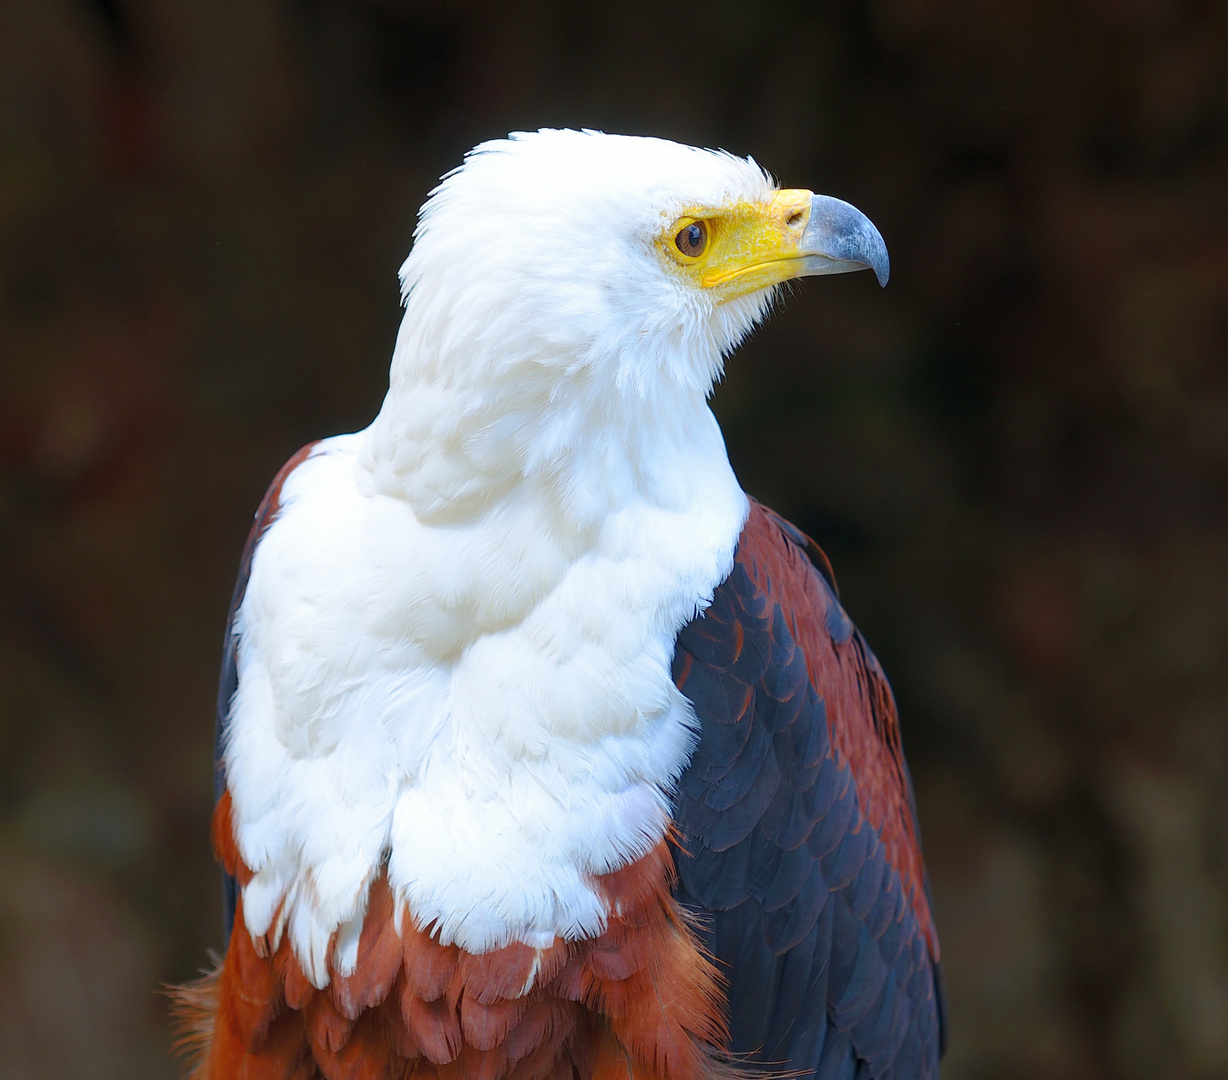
757,245
839,238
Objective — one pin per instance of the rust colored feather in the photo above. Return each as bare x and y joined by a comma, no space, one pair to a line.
638,1002
270,505
379,957
403,1044
433,1025
639,884
669,1013
485,1026
623,950
248,988
545,1023
281,1054
284,1055
608,1059
475,1064
194,1011
367,1054
429,966
327,1029
225,848
511,971
613,964
546,1061
296,987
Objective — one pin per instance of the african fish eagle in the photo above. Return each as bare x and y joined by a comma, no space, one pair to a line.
545,752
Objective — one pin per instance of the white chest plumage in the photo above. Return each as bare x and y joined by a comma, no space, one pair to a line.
455,644
485,703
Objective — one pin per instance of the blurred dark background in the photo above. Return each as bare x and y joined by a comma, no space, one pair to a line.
1016,455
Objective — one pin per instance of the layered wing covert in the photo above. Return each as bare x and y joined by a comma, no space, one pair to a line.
796,827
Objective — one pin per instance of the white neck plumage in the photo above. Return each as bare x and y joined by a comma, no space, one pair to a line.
588,431
512,553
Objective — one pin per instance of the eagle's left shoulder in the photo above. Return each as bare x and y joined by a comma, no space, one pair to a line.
796,829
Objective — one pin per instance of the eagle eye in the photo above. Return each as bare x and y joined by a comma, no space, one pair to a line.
692,239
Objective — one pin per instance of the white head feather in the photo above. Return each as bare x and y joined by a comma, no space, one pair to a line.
539,311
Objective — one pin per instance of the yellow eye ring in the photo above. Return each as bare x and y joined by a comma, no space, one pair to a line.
692,239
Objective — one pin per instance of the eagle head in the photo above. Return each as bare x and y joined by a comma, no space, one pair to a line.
565,282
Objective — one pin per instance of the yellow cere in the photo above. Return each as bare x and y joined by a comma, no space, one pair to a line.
747,246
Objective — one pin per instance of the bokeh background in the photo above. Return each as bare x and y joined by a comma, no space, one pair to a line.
1016,455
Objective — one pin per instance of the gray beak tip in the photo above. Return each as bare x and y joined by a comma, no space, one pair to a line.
844,239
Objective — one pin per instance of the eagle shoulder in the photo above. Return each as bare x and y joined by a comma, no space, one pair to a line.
228,680
796,831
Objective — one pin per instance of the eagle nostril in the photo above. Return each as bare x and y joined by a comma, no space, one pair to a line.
794,218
